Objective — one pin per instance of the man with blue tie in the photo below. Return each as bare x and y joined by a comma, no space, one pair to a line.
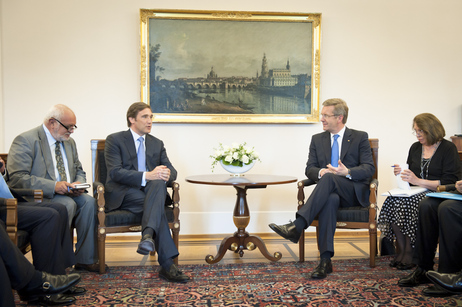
138,173
46,158
340,162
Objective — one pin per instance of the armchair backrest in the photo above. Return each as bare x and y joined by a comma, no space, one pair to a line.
375,156
98,162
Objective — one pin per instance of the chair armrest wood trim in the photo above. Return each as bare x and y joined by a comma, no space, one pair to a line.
11,218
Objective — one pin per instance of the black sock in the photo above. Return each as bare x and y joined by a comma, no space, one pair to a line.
326,255
300,224
148,231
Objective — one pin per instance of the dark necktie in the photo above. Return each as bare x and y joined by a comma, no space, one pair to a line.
334,157
141,155
60,162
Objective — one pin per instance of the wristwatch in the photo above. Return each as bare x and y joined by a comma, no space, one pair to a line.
349,174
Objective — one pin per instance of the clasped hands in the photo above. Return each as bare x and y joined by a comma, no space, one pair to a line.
160,172
66,188
340,170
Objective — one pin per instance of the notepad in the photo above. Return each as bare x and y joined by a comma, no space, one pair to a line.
404,192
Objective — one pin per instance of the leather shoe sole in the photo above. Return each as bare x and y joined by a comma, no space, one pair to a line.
74,291
436,291
53,300
146,246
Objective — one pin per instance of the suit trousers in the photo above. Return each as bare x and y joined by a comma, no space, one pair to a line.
150,201
46,224
84,217
440,221
331,192
15,270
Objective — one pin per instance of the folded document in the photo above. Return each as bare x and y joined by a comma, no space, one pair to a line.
446,195
404,193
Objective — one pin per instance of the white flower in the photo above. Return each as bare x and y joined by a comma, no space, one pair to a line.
237,154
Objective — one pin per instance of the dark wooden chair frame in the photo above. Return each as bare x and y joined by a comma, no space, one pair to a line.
97,147
371,225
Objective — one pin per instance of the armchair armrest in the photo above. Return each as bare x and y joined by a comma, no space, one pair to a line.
11,205
301,193
446,188
176,204
30,194
98,193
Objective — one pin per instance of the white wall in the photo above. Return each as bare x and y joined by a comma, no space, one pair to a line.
390,60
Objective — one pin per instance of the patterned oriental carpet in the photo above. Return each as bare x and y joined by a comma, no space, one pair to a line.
353,283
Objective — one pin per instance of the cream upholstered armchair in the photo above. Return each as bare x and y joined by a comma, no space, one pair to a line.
352,217
120,221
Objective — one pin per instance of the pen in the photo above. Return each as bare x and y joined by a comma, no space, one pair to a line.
393,166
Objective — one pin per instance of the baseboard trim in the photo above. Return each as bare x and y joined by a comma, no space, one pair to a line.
214,237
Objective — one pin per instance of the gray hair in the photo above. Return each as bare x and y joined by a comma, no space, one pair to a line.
57,112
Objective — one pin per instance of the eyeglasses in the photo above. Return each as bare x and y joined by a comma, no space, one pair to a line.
418,132
71,128
327,115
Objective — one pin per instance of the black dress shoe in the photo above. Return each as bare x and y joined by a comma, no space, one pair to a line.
146,245
287,231
450,282
74,291
173,274
405,266
94,267
414,279
52,300
324,268
394,263
51,284
435,291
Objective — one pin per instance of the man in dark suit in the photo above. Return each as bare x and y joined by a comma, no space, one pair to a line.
138,173
16,272
46,158
340,161
49,236
439,225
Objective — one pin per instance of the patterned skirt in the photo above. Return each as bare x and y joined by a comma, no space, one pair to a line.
403,212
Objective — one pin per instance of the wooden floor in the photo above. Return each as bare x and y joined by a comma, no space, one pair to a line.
121,250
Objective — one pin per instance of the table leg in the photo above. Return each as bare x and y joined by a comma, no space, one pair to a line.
241,240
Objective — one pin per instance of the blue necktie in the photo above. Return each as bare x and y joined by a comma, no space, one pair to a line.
334,157
4,190
141,156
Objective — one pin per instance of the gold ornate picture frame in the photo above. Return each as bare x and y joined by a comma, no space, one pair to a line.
230,67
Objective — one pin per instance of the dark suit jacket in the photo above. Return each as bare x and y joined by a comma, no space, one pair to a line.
355,154
122,164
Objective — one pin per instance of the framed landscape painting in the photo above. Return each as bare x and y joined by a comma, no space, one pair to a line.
230,67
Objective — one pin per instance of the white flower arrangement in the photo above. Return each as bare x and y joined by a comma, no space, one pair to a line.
236,154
